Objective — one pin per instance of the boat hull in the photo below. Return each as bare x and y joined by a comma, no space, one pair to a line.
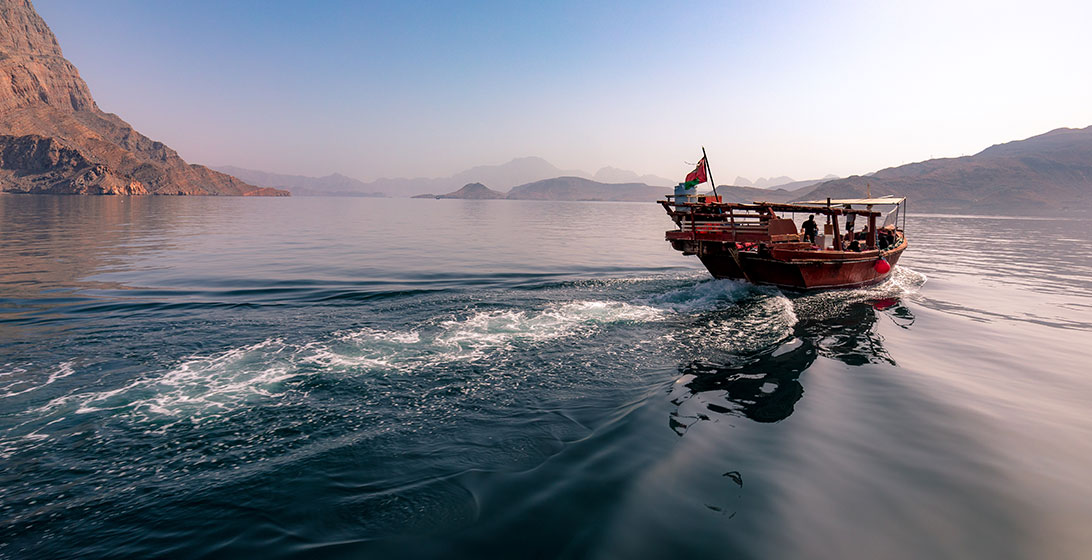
799,270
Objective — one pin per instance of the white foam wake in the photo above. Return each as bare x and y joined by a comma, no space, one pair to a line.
706,295
16,381
200,388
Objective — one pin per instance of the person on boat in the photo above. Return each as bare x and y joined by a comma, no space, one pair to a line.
810,229
886,237
850,218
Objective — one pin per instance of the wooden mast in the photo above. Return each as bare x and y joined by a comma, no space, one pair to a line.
708,172
833,214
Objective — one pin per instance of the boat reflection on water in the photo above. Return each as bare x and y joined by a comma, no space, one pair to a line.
764,386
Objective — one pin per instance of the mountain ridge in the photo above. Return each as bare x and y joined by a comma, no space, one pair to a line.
334,184
581,189
54,139
1046,174
515,172
1043,174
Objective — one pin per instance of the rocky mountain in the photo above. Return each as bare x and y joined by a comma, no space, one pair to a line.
474,191
799,185
54,138
578,188
783,182
1049,174
752,194
763,182
615,175
335,184
768,183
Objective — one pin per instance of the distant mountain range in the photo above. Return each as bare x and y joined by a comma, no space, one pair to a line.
762,182
1043,175
783,182
561,188
519,171
615,175
578,188
299,185
1049,174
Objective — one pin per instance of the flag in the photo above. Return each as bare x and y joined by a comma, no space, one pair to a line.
698,175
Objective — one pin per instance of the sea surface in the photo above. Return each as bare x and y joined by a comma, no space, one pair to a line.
372,378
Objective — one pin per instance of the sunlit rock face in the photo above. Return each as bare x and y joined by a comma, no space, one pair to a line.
45,165
54,139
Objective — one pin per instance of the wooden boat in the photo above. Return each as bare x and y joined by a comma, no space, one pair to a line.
753,242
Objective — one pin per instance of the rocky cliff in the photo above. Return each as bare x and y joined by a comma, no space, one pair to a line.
54,138
577,188
45,165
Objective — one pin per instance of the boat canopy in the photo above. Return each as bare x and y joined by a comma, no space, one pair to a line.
859,201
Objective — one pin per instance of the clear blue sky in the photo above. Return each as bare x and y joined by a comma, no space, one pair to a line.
393,89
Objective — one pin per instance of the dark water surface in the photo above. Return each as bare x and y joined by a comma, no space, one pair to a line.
342,378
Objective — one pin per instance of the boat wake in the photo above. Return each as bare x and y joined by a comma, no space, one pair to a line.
15,381
467,353
204,388
707,295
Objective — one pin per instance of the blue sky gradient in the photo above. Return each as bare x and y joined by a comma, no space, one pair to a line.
373,89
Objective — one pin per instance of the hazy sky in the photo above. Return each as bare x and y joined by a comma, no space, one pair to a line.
412,89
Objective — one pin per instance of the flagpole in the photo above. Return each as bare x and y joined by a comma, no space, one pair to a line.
708,171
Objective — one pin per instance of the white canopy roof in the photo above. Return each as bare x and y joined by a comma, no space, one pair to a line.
889,199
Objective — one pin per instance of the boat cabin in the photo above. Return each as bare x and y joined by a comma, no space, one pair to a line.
706,218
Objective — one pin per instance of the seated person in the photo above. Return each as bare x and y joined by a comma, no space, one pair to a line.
886,237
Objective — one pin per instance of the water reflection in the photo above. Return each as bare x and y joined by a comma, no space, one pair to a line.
764,386
52,245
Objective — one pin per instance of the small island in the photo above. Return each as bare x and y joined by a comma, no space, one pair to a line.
474,191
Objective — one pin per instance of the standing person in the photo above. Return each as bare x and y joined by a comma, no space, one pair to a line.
850,218
810,229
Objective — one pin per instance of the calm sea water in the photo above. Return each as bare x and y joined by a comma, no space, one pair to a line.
341,378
